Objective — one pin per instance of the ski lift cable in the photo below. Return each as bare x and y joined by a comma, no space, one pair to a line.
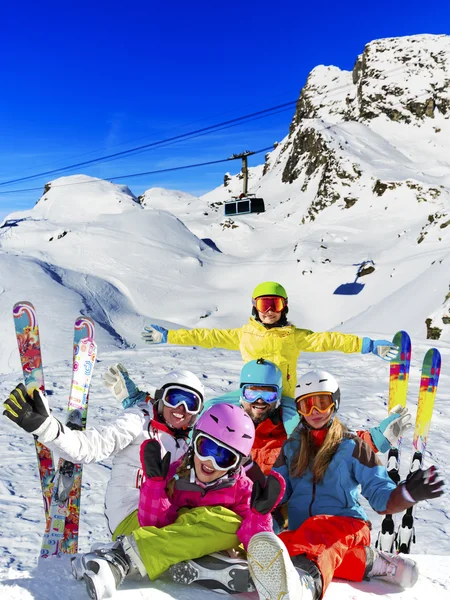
210,128
129,175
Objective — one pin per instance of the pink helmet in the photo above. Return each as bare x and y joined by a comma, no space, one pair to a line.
230,425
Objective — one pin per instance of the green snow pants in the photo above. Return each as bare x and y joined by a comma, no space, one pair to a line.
196,532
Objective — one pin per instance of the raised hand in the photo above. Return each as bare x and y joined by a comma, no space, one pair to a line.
154,334
119,382
152,463
28,412
424,485
384,349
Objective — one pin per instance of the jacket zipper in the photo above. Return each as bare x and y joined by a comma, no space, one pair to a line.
313,498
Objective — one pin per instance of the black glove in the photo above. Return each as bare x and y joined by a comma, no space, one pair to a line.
151,460
424,485
29,412
264,497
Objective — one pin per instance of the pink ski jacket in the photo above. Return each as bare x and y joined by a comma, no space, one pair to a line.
155,508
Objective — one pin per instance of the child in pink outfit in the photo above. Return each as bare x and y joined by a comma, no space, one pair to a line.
209,475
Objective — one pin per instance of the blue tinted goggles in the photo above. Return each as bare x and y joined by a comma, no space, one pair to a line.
222,457
269,394
174,395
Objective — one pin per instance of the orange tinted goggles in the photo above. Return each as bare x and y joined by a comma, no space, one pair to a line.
321,402
265,303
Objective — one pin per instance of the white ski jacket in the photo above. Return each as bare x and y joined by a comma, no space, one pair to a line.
122,439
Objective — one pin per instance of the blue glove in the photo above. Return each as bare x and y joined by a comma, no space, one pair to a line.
391,428
154,334
381,348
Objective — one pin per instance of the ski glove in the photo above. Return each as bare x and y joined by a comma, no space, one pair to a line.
381,348
154,334
424,485
122,386
266,497
29,412
391,428
152,463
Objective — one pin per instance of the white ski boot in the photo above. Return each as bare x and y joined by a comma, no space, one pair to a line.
105,567
215,571
273,573
394,568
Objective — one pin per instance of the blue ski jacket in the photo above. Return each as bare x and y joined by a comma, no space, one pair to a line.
354,467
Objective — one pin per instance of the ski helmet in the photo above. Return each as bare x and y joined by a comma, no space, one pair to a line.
183,379
262,372
228,424
269,288
316,382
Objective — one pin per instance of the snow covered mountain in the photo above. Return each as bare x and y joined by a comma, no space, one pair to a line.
361,179
356,227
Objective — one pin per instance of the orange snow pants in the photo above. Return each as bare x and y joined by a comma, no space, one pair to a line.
335,544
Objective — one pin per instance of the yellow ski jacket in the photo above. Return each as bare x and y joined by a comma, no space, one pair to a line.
281,345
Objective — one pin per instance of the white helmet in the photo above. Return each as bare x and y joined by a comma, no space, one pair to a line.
315,382
183,379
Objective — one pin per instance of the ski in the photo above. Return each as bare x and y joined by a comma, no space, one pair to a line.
61,534
28,341
398,389
428,387
84,328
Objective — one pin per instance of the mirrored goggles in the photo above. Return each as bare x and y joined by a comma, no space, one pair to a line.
174,395
222,457
269,394
321,401
265,303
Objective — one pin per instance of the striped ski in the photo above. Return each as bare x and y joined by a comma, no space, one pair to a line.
398,389
428,388
28,341
61,534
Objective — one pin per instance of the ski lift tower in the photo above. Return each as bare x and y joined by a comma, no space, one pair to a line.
245,203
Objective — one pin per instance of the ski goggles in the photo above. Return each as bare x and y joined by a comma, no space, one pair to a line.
174,396
265,303
222,457
321,401
269,394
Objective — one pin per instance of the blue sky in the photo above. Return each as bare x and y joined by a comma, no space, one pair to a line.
84,79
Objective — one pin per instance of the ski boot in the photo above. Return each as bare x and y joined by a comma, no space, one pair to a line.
215,571
104,568
273,573
394,568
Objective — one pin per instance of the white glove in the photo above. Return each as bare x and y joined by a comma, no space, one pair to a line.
400,422
154,334
119,383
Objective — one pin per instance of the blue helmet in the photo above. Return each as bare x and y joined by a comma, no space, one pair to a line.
262,372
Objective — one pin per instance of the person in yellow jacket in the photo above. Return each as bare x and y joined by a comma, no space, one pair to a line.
268,334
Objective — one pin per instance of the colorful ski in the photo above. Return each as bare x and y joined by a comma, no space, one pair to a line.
27,333
399,371
84,328
398,389
428,387
61,535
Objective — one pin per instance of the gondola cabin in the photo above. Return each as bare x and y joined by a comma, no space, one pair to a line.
244,206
